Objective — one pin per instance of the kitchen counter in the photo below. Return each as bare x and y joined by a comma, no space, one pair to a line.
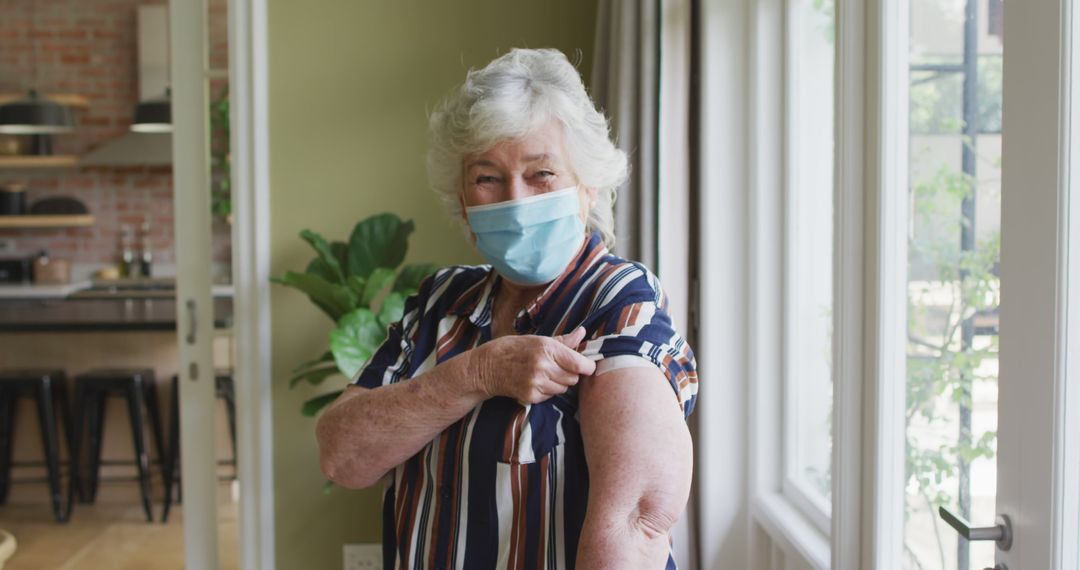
30,291
102,315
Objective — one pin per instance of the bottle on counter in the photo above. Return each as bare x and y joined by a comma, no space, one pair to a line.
128,265
146,257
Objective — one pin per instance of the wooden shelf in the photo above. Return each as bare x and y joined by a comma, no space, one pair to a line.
72,221
66,99
29,162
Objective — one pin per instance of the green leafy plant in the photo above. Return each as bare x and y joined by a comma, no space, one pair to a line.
220,157
358,285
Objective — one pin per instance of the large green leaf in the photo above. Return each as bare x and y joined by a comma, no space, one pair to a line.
393,307
340,250
378,241
379,280
314,376
354,340
357,284
325,254
408,281
335,300
323,358
312,406
319,267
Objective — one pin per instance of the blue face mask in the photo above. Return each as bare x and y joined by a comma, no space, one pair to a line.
529,241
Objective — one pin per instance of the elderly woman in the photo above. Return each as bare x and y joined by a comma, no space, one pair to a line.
529,413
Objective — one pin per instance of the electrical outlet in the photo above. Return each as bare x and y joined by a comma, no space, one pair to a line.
7,245
367,556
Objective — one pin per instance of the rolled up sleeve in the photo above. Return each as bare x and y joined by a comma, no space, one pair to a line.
639,332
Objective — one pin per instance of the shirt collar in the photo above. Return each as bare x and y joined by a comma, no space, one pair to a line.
477,301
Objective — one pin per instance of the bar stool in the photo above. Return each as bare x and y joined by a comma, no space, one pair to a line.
137,386
49,389
225,390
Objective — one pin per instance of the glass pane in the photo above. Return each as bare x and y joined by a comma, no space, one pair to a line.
809,250
953,284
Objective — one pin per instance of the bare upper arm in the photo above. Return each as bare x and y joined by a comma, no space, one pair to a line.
637,445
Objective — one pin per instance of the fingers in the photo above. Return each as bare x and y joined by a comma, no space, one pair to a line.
572,361
532,369
544,392
572,339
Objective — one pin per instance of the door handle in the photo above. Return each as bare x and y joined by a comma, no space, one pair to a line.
191,321
1001,533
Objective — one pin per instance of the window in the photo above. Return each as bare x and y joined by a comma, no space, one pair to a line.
954,173
808,259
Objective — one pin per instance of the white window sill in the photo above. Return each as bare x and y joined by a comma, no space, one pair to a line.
791,530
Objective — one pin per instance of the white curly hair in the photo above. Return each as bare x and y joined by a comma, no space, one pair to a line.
508,99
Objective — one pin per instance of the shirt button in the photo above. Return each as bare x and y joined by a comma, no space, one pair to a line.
444,491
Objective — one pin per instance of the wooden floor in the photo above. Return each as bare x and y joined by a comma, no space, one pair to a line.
110,534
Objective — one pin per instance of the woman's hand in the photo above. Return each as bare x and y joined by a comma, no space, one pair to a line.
530,369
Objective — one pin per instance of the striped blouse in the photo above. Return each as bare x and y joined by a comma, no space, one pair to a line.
507,485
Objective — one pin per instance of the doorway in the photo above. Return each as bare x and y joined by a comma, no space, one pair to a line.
105,62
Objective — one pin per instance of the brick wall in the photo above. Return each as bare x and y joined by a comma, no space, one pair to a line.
88,47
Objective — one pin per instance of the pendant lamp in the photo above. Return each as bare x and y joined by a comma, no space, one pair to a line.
154,115
35,115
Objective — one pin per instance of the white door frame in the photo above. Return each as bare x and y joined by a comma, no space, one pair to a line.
249,88
251,272
1037,377
194,303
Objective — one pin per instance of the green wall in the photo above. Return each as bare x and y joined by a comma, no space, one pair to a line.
351,82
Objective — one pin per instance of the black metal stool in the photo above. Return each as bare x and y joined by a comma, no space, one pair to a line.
137,386
225,389
49,389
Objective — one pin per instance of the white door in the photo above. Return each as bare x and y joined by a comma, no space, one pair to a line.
191,176
955,279
973,235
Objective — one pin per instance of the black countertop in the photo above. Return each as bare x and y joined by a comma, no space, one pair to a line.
102,315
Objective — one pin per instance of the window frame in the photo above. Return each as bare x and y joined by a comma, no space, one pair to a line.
886,281
858,29
817,511
1068,392
741,145
779,511
782,514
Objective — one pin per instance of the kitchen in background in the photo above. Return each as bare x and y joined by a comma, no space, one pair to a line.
87,296
93,54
